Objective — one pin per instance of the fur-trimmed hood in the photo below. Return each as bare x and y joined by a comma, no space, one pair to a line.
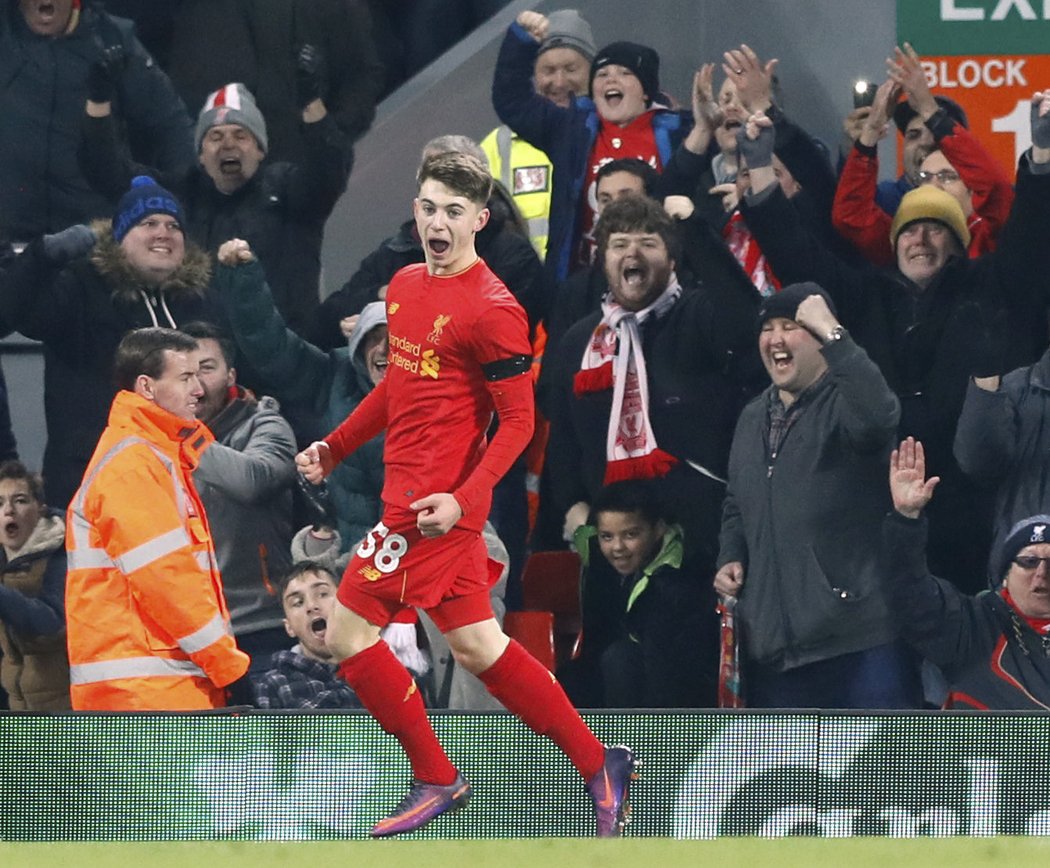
47,537
190,280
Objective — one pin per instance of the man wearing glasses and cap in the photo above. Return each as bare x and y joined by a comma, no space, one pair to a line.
993,648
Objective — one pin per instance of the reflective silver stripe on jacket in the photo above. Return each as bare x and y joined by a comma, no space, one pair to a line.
132,667
153,550
89,559
504,144
84,555
538,227
207,635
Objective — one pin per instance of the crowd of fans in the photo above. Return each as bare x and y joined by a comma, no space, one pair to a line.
735,344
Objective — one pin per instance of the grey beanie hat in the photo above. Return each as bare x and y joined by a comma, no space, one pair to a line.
232,104
566,28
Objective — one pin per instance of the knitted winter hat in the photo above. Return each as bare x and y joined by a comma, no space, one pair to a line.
566,28
903,113
145,197
784,304
930,203
643,61
232,104
1028,531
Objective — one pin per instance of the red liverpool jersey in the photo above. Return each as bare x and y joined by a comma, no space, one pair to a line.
437,405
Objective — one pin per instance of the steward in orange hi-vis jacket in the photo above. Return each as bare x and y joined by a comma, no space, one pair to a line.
148,627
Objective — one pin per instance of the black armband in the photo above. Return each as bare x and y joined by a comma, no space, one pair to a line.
502,369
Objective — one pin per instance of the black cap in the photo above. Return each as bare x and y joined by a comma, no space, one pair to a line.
785,303
643,61
1028,531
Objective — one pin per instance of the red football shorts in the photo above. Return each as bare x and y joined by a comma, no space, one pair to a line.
396,566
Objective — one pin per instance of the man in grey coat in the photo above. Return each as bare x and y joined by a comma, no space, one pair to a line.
801,519
245,479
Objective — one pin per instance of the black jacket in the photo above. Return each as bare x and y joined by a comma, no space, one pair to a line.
977,316
80,313
701,359
666,612
280,212
43,88
991,657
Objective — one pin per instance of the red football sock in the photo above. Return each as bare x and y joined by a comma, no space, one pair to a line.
527,689
387,690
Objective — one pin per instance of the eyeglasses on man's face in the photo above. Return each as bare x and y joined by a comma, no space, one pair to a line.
944,176
1031,562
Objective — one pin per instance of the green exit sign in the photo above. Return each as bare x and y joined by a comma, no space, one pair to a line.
957,27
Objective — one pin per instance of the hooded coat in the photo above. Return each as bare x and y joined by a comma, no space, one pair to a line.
332,383
80,312
245,481
34,666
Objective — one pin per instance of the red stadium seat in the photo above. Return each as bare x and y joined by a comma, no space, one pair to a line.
551,583
534,631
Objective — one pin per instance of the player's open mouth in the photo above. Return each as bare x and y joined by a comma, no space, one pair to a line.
438,246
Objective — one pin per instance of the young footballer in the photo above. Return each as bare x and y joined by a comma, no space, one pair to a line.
459,350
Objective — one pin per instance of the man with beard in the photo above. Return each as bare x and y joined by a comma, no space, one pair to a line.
651,385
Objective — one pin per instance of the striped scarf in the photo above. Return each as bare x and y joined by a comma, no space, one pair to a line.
742,243
613,360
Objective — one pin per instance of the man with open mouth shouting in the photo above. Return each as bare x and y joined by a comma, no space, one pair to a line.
458,351
305,676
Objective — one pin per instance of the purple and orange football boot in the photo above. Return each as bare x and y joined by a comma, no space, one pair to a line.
423,803
609,790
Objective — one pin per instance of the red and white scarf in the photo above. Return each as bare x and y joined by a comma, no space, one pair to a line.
743,246
613,360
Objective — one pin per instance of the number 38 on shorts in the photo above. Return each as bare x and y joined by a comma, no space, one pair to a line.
383,548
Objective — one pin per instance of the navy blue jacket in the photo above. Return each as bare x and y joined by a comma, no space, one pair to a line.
566,135
43,88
